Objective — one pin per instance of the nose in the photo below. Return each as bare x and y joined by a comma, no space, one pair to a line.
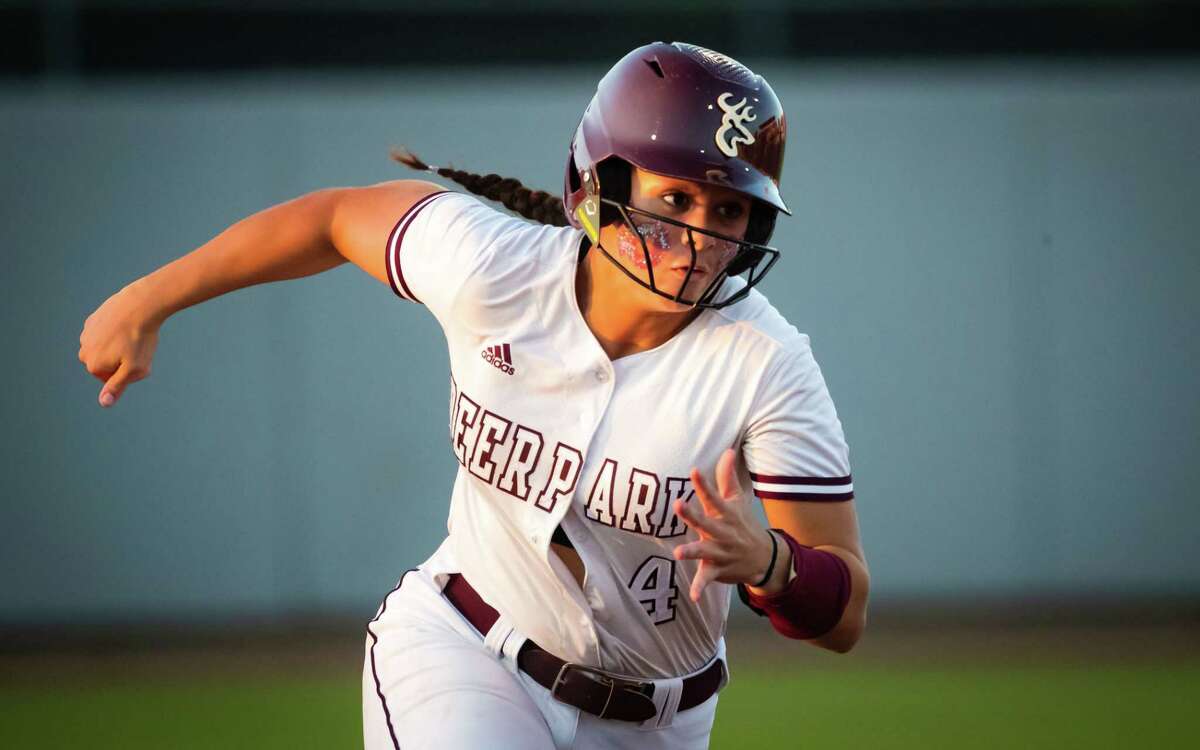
703,242
699,217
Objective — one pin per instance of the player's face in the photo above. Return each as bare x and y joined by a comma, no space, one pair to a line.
669,246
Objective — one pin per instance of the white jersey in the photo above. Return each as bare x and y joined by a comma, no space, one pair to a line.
548,430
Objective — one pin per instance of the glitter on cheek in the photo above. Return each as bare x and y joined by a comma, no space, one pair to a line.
631,248
657,236
728,251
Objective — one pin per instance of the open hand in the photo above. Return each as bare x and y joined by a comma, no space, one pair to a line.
733,546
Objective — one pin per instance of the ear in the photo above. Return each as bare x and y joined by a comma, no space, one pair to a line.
615,177
761,224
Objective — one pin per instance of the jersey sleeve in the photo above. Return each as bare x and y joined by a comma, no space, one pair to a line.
440,245
794,446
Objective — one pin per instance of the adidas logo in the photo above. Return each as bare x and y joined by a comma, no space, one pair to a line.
500,357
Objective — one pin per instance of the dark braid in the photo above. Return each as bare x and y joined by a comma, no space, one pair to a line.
614,175
538,205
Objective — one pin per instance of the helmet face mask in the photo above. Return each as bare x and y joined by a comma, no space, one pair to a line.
688,113
656,235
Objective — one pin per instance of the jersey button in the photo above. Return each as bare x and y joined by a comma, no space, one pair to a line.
601,375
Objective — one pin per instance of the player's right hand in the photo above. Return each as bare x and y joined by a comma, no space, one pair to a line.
118,342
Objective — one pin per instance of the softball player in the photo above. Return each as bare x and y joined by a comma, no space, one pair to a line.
619,391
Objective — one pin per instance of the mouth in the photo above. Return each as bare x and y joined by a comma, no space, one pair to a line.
682,271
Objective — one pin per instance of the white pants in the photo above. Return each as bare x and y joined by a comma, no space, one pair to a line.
431,681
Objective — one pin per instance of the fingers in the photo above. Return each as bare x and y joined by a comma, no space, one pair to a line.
726,477
115,385
707,499
699,550
102,375
98,371
727,488
697,521
705,574
715,564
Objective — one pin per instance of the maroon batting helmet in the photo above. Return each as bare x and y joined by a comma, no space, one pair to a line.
691,113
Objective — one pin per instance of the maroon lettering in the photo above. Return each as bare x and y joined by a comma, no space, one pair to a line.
493,429
669,523
643,491
563,477
468,410
522,460
453,406
483,441
599,502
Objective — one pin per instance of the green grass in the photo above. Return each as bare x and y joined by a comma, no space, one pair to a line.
963,708
1010,708
239,713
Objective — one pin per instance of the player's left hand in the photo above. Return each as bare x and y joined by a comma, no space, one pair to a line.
733,546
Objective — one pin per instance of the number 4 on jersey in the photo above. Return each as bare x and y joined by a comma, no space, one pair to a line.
653,584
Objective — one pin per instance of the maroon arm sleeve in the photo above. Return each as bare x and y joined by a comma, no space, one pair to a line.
813,602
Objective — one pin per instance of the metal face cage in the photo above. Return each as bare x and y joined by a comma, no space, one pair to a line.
737,256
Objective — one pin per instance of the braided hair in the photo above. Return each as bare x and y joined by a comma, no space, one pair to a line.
538,205
615,177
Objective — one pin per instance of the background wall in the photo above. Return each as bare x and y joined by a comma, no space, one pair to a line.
997,262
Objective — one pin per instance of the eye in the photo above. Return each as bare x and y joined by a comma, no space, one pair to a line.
677,200
731,211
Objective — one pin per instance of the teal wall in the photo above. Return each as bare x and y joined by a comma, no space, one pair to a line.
999,266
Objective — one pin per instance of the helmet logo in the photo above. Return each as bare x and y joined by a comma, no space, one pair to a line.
717,175
733,130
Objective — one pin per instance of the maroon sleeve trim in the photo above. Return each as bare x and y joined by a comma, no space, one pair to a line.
780,479
395,242
816,497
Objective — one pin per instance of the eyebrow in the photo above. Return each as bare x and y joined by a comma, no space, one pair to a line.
732,200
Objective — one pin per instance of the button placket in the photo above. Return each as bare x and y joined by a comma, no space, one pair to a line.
589,417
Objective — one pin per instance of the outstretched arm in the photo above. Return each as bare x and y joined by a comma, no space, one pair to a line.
301,237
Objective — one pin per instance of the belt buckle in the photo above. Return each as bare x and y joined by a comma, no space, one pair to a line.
608,679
